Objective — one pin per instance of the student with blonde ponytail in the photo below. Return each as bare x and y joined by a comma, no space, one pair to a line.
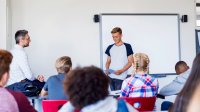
140,84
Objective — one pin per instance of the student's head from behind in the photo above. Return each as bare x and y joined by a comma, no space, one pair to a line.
181,67
141,62
63,64
188,91
5,60
86,86
22,38
117,34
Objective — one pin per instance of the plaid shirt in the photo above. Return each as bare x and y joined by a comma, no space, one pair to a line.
139,86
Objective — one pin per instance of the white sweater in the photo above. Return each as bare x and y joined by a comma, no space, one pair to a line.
109,104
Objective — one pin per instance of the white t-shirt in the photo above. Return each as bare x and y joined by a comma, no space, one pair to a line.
119,58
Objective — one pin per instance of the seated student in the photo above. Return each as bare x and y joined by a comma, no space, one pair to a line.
173,88
11,101
87,89
177,84
21,75
140,84
54,85
188,99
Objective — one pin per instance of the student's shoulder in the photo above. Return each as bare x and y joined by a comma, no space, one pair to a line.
108,49
17,95
150,77
129,79
153,79
17,52
22,102
53,77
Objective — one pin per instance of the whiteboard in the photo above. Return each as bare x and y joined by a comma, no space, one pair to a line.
157,35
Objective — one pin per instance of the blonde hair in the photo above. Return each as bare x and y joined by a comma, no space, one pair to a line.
63,64
116,29
141,62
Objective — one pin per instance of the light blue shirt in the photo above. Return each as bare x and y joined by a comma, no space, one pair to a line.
54,86
176,85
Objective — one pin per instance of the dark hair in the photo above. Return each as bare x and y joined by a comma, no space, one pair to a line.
5,60
180,63
86,86
19,34
183,98
116,29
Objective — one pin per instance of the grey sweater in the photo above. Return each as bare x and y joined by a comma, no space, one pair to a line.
176,85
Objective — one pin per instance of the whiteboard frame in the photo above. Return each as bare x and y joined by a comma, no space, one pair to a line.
142,14
197,39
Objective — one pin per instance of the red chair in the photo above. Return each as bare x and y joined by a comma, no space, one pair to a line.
52,105
141,103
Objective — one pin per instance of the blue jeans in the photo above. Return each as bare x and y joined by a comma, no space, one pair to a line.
115,84
25,85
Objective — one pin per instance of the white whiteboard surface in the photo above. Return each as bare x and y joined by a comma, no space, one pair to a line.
157,35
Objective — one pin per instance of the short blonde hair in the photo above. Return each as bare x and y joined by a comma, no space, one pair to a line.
116,29
63,64
141,62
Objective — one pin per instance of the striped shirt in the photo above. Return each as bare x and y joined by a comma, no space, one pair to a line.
139,86
19,68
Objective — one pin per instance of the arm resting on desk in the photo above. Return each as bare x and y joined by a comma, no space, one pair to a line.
171,89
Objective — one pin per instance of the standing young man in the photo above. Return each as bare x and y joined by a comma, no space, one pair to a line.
119,59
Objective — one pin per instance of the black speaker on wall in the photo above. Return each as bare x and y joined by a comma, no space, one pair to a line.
96,18
184,18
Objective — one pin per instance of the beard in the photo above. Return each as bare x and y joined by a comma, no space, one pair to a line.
26,45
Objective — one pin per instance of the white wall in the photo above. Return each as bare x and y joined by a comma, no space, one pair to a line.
8,25
3,24
65,27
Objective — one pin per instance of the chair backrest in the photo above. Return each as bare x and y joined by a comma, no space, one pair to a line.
52,105
141,103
